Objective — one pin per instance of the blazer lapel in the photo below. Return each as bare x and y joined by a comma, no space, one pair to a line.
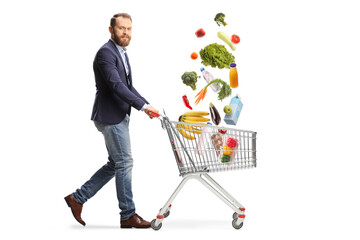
123,64
112,44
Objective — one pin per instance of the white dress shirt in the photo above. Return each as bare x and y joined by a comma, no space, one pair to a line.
122,54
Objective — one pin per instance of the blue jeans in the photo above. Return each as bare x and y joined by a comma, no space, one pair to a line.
117,140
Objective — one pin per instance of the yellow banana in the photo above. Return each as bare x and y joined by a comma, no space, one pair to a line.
184,133
191,129
196,113
188,121
194,132
196,128
196,119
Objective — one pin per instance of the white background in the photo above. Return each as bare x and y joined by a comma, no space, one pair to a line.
298,64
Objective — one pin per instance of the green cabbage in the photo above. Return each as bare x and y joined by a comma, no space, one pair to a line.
216,55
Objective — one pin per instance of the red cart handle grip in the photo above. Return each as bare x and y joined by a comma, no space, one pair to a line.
153,114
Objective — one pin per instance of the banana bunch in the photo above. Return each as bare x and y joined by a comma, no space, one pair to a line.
196,117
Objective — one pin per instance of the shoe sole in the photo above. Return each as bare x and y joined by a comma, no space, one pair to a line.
125,226
133,227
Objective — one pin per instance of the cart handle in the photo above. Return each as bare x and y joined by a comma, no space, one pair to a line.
154,114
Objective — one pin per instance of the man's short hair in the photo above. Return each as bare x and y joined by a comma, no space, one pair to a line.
113,19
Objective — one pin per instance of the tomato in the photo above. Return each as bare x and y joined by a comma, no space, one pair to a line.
235,39
222,131
231,142
200,33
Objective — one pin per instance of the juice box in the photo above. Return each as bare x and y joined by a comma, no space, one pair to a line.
236,106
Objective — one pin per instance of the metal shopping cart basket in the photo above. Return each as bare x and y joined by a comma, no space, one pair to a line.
201,149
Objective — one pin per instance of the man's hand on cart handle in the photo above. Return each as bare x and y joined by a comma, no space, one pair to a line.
152,112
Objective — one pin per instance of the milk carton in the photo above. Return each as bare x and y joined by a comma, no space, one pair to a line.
236,106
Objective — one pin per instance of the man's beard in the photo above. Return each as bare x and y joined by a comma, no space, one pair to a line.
122,42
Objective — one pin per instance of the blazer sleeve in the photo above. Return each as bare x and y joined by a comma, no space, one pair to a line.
138,94
106,62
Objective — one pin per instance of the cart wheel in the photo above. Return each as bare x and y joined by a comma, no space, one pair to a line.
155,227
235,215
237,226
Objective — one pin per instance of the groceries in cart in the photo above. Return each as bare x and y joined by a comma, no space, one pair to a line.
217,141
203,141
195,117
224,146
229,150
187,131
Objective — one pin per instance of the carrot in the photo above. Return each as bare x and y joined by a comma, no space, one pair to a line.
198,99
225,91
200,96
198,93
203,96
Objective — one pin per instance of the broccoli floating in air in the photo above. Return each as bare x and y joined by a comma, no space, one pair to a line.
220,19
190,79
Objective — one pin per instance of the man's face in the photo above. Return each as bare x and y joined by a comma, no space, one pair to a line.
121,32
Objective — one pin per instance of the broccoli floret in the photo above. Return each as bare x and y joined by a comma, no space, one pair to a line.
220,19
190,79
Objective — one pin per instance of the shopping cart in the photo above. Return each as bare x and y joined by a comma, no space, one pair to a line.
198,150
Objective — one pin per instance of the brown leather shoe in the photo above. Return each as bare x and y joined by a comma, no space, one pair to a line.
75,208
135,221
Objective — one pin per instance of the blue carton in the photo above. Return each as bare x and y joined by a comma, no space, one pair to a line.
236,106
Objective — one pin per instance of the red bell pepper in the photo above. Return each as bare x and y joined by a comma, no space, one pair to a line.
200,33
186,102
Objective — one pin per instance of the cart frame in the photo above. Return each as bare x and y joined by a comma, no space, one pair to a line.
198,168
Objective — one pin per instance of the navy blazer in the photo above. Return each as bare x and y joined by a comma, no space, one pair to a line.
115,94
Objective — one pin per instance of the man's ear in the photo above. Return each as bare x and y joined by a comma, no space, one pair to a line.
111,30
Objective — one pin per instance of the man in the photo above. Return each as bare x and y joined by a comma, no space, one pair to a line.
115,96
